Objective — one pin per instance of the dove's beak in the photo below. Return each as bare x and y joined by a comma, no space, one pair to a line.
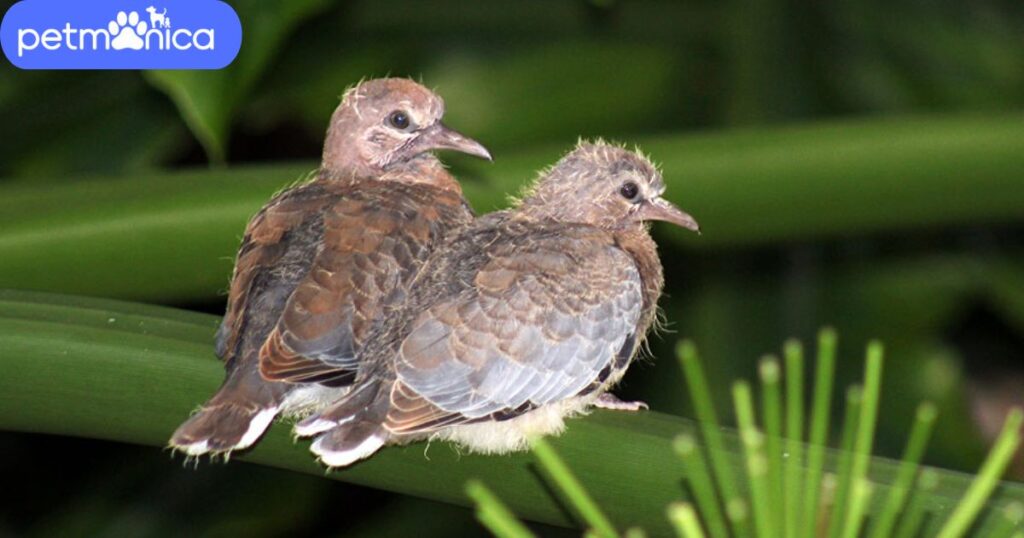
439,136
661,209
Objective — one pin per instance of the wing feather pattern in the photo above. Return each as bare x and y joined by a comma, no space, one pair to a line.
538,324
270,260
372,246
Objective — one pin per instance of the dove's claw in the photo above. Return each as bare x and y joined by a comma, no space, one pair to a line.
611,401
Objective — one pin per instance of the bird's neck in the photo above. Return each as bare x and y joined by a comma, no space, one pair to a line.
422,169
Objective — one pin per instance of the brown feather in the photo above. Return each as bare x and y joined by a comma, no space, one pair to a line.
533,312
319,261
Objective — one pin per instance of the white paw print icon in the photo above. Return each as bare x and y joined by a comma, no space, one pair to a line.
127,31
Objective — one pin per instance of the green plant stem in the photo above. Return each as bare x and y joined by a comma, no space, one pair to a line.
738,512
131,373
854,402
699,478
829,484
698,385
494,514
818,435
924,420
858,506
573,490
684,519
913,519
868,418
793,497
771,392
862,442
987,479
757,464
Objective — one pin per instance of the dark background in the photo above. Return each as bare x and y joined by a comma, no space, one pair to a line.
947,298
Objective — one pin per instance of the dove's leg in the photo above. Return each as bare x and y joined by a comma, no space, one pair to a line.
608,400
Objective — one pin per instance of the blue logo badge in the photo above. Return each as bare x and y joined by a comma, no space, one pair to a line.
121,34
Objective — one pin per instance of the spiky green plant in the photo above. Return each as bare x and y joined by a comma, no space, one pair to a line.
784,493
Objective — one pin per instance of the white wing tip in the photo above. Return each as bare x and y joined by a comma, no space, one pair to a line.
314,425
344,458
309,428
257,426
194,449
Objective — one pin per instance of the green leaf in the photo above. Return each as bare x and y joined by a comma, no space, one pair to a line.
127,372
746,187
55,121
171,237
545,93
208,100
831,179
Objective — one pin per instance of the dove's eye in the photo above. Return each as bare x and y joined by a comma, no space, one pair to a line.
629,190
399,120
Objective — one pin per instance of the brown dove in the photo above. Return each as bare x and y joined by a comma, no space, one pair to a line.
318,261
522,319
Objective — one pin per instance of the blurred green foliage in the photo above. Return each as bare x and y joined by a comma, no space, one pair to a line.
208,101
853,163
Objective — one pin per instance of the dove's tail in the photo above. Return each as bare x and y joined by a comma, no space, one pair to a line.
222,428
353,405
233,419
351,429
349,443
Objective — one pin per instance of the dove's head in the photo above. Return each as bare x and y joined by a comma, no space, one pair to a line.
604,185
386,124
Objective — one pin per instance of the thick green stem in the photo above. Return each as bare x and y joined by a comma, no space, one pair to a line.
744,186
794,434
698,477
818,435
131,373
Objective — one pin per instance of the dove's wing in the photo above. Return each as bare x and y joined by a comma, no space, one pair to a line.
272,257
374,240
543,319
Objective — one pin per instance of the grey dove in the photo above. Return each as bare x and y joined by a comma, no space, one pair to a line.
524,318
318,261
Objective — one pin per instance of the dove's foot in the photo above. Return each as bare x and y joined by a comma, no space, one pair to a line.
611,401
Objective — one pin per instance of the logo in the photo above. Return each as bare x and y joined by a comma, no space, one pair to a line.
125,34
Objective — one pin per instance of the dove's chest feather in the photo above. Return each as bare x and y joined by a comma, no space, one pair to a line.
641,247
